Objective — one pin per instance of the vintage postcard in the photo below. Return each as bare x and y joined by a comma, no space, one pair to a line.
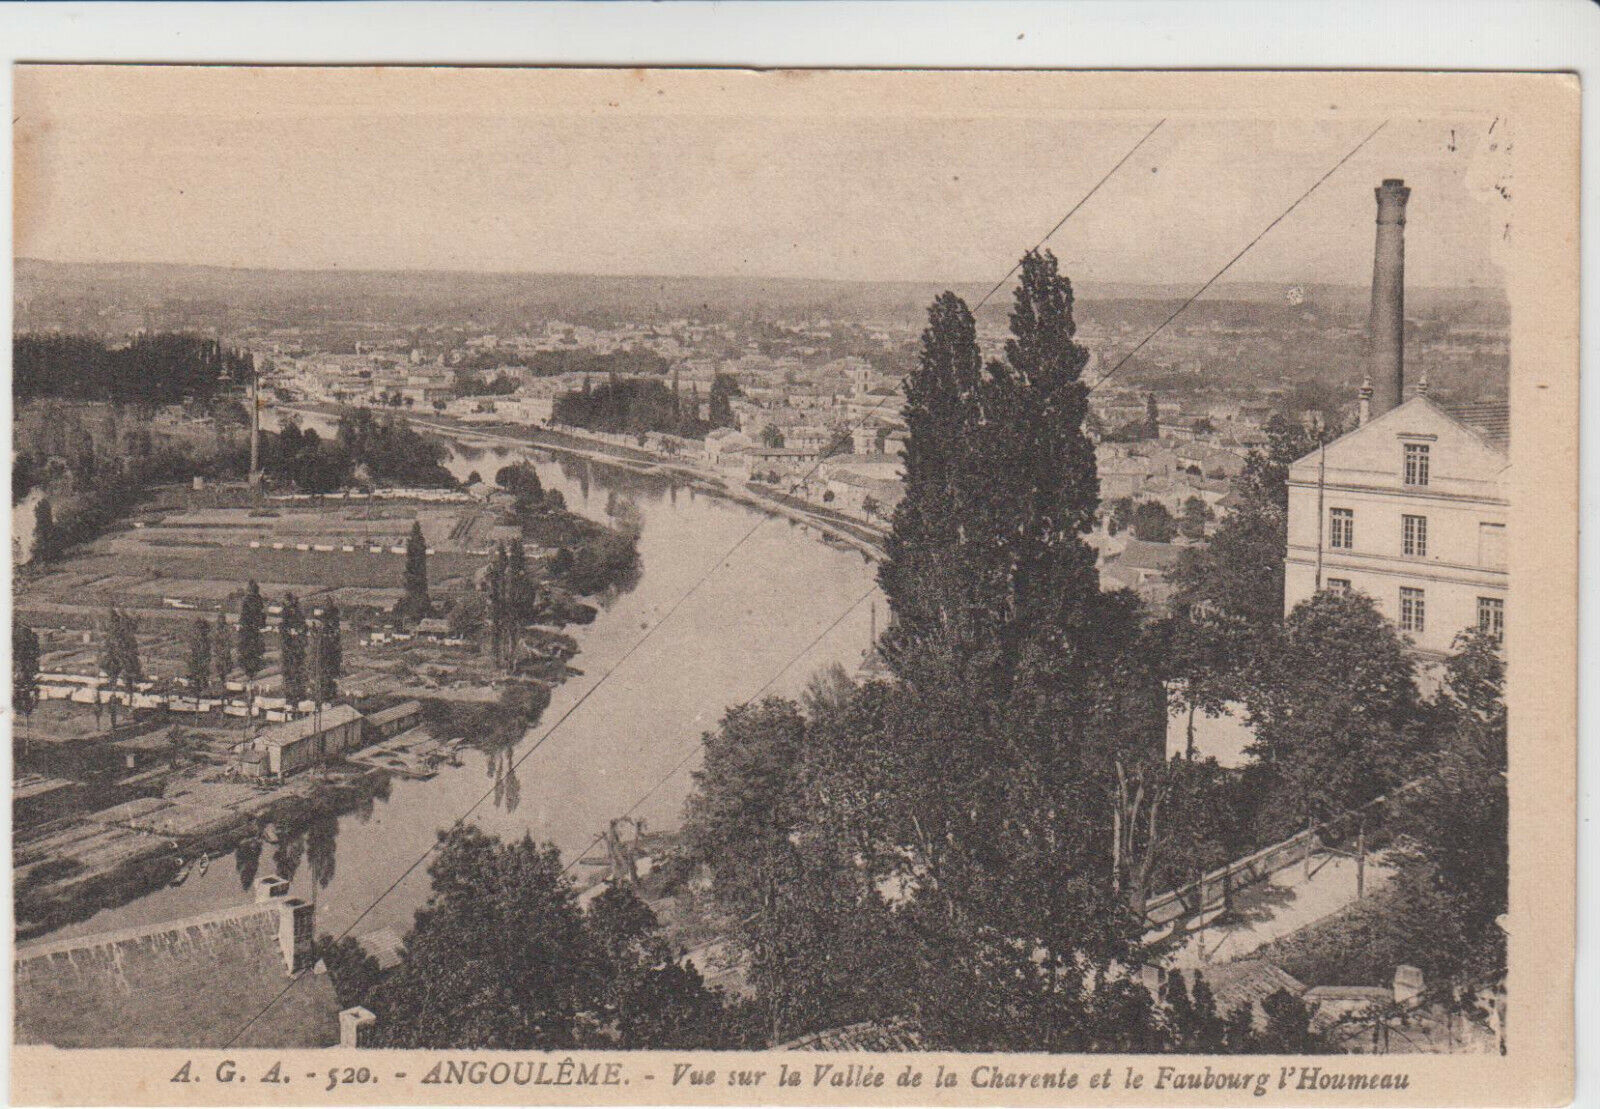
716,586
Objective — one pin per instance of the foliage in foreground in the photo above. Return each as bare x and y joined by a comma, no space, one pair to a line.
502,957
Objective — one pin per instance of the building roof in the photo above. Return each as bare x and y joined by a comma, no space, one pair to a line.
1490,419
395,712
384,945
189,983
34,785
1140,554
296,730
894,1035
865,460
1248,981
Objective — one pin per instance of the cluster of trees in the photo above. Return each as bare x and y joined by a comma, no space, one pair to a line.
310,647
514,600
1011,786
93,466
530,497
386,449
471,384
1005,808
600,560
1450,849
1137,431
305,460
149,370
1152,522
634,405
552,363
502,957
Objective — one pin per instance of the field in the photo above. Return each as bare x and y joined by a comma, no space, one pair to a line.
179,563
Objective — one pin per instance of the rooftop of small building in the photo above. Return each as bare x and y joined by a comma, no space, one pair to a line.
892,1035
1490,419
1144,555
1248,981
395,712
295,730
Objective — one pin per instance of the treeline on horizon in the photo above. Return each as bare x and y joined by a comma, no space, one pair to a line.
167,368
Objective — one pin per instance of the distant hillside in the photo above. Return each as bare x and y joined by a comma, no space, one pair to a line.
229,298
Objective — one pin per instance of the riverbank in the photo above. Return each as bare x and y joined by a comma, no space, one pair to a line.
149,842
858,535
113,815
623,723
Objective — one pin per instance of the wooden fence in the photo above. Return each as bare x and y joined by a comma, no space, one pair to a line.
1215,890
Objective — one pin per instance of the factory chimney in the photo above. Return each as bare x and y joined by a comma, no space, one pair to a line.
1387,322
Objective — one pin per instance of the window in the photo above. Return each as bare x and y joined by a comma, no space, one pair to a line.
1492,616
1413,612
1416,463
1492,546
1342,528
1339,585
1414,531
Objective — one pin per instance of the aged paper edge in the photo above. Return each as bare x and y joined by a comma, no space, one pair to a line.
1542,287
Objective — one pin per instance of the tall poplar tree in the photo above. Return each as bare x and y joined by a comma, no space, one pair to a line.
45,539
1023,689
292,649
252,642
199,655
330,654
119,658
24,669
416,603
221,650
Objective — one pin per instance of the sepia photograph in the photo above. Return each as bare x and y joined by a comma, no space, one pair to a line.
528,563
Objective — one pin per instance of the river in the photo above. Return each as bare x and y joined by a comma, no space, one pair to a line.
755,613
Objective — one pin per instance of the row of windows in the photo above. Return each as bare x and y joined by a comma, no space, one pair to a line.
1414,609
1414,536
1342,532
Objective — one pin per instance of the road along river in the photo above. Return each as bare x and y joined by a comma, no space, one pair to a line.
753,615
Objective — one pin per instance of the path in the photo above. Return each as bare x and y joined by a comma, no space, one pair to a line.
1277,906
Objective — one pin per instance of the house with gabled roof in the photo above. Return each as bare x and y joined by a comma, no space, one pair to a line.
1410,508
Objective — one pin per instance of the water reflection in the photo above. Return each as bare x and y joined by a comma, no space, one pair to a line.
502,767
247,861
727,624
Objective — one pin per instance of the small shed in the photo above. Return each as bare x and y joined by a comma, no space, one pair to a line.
300,743
393,720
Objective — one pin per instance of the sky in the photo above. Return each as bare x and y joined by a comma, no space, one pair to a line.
723,174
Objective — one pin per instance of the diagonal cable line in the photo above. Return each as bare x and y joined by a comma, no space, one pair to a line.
1212,280
671,611
633,808
694,748
1073,211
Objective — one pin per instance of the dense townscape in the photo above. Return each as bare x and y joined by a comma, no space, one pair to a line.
1181,731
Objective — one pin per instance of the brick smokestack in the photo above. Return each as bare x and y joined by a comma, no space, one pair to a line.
1387,322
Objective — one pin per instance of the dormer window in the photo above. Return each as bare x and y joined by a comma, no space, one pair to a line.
1416,468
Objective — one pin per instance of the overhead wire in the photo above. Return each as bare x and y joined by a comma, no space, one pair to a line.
723,561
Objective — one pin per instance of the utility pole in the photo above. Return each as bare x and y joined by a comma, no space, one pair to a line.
1322,471
255,427
1361,857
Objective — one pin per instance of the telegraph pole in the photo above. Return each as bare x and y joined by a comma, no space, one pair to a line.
255,427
